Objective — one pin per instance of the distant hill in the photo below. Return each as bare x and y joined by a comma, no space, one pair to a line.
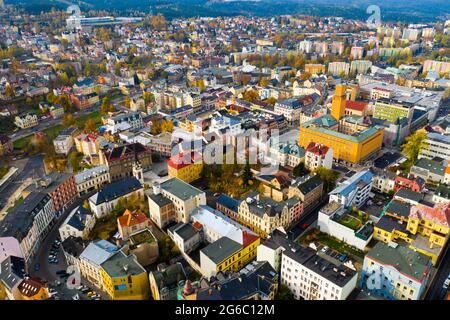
391,10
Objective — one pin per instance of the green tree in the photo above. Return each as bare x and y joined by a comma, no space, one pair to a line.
300,170
328,177
414,143
247,175
284,293
90,126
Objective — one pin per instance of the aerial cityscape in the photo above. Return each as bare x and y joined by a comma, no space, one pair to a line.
224,150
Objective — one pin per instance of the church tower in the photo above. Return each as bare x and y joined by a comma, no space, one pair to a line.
338,102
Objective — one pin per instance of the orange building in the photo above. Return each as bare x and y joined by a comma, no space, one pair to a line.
131,222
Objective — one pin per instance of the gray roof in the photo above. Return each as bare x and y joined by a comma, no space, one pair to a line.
159,199
409,194
184,230
221,249
398,208
339,275
180,189
430,165
121,265
389,224
116,190
406,261
98,252
19,221
12,271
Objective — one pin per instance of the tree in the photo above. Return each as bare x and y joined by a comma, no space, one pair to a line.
300,170
247,175
148,97
284,293
328,177
414,143
68,120
90,126
74,160
167,126
251,95
271,101
9,91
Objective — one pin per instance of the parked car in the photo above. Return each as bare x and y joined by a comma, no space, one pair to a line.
37,267
324,249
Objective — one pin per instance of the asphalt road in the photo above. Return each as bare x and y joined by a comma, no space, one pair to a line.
48,271
435,292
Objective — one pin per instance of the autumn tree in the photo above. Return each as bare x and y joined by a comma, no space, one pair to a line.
414,143
68,120
251,95
90,126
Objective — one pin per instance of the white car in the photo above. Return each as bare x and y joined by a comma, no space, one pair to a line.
324,249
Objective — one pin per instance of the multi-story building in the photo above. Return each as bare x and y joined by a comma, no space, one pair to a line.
289,108
107,198
263,215
183,196
431,171
12,273
79,223
392,110
350,142
360,66
395,272
56,111
317,155
162,210
334,219
24,228
33,289
84,101
165,280
354,191
411,182
123,278
132,222
436,145
92,258
338,68
92,179
186,166
309,189
383,181
133,119
26,121
311,277
436,66
62,188
286,154
120,160
64,142
258,278
315,68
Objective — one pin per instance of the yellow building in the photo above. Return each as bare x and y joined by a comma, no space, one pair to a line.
186,167
33,289
425,229
315,68
123,278
351,139
228,255
338,103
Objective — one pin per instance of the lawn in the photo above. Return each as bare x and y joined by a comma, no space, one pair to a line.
350,221
16,203
53,132
3,171
329,241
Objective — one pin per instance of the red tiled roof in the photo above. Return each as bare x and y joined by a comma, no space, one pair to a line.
182,160
439,214
356,105
132,218
248,238
317,149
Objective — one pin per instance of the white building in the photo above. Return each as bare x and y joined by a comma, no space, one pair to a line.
289,108
184,197
24,228
312,277
63,144
334,220
354,191
286,154
26,121
185,236
437,145
104,201
318,155
78,224
383,181
92,179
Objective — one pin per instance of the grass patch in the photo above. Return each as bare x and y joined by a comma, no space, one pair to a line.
16,203
3,171
314,235
350,221
54,131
